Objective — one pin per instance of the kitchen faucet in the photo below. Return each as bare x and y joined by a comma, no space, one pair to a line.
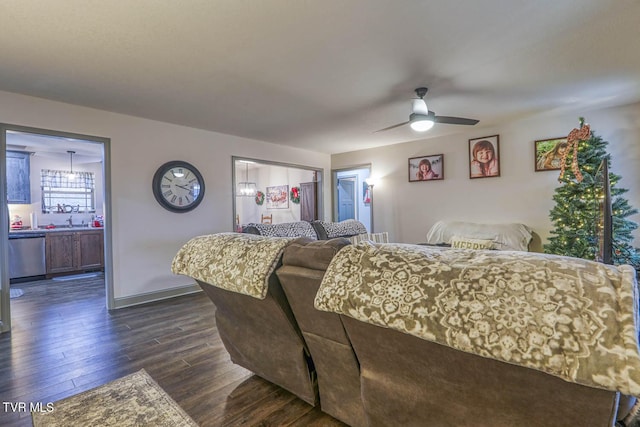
70,220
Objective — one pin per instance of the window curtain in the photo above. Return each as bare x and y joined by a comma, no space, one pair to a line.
60,179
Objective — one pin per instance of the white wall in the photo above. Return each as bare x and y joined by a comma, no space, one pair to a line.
145,236
407,210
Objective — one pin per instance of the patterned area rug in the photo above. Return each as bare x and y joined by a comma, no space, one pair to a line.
134,400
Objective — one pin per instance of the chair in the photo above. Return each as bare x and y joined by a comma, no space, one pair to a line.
266,219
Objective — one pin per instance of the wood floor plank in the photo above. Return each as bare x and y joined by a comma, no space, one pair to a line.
64,341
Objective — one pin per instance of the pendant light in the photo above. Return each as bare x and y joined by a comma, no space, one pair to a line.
246,188
71,175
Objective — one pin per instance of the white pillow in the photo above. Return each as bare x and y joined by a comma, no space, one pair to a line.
370,237
461,242
506,237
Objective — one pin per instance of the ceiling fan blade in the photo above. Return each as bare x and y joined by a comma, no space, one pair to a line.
392,127
455,120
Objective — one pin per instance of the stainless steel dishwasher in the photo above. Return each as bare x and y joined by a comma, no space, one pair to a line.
26,254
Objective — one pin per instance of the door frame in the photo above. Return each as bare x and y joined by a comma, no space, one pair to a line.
234,182
334,188
5,306
354,194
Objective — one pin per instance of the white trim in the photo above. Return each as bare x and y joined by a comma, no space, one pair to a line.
155,296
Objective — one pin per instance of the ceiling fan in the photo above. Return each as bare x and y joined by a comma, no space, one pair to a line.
421,119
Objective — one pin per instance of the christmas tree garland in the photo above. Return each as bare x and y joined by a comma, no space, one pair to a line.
574,138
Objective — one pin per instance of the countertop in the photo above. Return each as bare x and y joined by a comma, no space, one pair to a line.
28,231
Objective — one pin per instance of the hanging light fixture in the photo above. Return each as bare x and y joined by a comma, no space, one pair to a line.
71,175
246,188
421,119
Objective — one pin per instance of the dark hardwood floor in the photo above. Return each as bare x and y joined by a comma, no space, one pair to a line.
64,341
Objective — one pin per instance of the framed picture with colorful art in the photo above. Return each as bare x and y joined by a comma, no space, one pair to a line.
277,197
484,157
426,168
549,153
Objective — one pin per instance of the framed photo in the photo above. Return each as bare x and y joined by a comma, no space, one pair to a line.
484,157
426,168
277,197
548,153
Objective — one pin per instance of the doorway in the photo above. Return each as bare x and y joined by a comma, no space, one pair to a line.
255,180
346,197
351,196
85,203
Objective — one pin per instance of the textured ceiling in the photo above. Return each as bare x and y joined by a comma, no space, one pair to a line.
322,75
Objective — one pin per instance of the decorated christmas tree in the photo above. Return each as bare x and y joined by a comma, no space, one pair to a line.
577,211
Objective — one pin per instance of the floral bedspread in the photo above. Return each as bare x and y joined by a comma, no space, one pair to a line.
233,261
571,318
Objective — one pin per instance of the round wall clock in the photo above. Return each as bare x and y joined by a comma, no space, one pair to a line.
178,186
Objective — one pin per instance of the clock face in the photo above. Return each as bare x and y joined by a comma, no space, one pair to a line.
178,186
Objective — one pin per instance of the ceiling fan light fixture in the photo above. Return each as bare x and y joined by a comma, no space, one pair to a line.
421,122
421,119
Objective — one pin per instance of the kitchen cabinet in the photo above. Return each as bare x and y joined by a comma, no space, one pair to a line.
308,201
74,251
18,178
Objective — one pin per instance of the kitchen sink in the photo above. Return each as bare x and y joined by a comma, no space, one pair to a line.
63,226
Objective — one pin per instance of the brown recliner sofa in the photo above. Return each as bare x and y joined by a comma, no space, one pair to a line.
408,381
367,375
263,336
412,382
303,265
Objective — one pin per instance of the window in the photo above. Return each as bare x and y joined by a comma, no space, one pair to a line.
63,194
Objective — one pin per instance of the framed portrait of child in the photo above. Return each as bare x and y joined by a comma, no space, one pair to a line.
484,157
426,168
549,153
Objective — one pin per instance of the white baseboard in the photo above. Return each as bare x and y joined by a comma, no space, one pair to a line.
155,296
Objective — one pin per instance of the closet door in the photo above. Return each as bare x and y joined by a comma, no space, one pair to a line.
308,201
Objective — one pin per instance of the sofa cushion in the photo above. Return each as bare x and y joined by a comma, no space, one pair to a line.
329,230
316,255
241,263
287,229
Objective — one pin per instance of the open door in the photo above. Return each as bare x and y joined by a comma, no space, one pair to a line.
346,198
351,199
